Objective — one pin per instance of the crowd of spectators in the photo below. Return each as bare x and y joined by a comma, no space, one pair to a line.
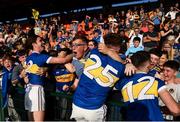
156,31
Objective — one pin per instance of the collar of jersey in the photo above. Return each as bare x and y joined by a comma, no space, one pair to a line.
35,52
141,72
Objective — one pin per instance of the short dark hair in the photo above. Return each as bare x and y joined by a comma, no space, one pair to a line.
112,39
8,57
156,52
94,42
30,41
53,53
21,53
172,64
137,39
82,37
139,58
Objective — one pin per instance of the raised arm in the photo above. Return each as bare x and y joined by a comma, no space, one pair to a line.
58,60
176,40
165,33
171,104
110,52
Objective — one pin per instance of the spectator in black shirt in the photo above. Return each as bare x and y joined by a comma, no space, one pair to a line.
151,38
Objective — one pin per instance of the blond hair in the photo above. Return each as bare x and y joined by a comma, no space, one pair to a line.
170,40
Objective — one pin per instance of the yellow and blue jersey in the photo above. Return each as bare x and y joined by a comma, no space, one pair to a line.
34,62
154,70
99,75
140,95
63,77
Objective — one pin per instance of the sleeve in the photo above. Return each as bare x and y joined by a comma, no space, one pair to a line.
161,85
78,67
15,73
131,41
167,14
127,52
178,93
48,60
141,41
121,70
45,58
119,85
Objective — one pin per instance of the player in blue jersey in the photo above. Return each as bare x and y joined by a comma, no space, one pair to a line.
34,97
101,72
140,92
64,76
64,73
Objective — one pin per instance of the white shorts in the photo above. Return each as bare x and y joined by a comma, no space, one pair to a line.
35,98
81,114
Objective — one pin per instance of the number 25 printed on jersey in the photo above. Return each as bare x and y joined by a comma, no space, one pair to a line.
104,76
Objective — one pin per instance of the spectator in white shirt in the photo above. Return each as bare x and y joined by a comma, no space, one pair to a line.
172,13
136,34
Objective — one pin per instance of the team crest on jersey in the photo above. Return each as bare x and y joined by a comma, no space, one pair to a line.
171,91
32,68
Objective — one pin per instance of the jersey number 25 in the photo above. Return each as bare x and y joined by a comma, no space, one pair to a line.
102,75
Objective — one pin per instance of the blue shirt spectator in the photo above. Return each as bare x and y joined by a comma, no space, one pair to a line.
135,48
